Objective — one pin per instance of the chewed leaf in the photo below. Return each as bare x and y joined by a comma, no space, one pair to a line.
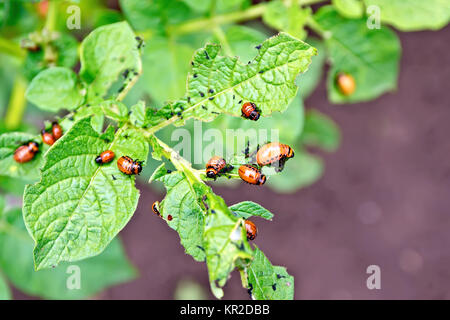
268,282
187,216
105,54
78,207
247,209
220,84
9,142
225,241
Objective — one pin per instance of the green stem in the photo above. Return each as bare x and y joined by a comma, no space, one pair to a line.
11,48
210,23
17,104
52,14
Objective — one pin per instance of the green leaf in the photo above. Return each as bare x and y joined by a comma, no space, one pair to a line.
349,8
137,116
5,292
290,18
225,242
9,142
166,65
181,202
78,207
16,260
247,209
268,282
55,89
413,15
220,6
105,53
220,84
155,14
301,171
370,56
320,131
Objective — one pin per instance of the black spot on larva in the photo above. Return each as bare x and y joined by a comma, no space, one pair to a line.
201,94
258,46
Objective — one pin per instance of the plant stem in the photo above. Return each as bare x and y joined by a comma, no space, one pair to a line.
52,14
17,103
11,48
210,23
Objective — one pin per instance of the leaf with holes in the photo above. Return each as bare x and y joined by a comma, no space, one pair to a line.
218,84
105,54
78,206
186,214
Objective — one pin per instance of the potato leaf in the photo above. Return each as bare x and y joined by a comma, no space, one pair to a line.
370,56
182,204
78,206
247,209
55,89
268,282
105,53
16,262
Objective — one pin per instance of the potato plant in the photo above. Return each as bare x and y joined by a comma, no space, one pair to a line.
194,55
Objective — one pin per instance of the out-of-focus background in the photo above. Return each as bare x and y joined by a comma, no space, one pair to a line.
382,200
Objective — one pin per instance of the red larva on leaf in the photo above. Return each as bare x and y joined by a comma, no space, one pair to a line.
250,111
251,175
26,152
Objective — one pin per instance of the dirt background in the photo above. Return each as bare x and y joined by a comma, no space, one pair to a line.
384,200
